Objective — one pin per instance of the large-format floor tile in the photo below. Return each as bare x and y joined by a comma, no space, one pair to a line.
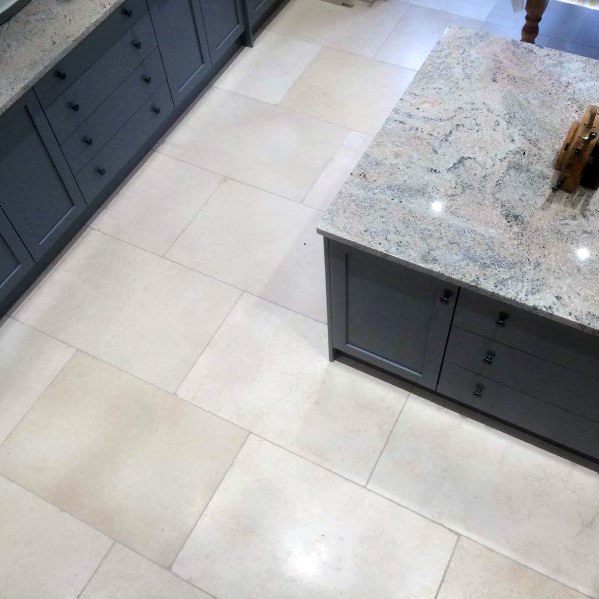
325,189
256,143
267,369
137,311
351,91
269,69
474,9
527,503
259,242
279,526
574,48
476,572
126,575
29,360
43,551
361,29
511,32
157,203
135,462
416,35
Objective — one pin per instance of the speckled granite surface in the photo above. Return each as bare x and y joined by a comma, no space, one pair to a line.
36,38
458,180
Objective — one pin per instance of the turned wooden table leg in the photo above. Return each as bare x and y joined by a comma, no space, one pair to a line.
534,14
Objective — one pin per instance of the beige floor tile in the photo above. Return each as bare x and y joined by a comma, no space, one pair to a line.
136,463
157,203
261,243
361,29
524,502
474,9
29,360
137,311
44,553
281,527
126,575
325,189
416,35
267,71
267,369
255,143
476,572
348,90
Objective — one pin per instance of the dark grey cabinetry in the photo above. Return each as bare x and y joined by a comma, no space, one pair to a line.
224,25
258,9
14,258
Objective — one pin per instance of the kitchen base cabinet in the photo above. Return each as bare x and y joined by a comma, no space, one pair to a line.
224,24
15,260
258,10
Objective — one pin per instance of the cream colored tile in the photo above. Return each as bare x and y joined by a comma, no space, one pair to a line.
137,311
476,572
267,369
255,143
360,29
43,551
474,9
416,35
267,71
29,360
327,186
157,203
259,242
348,90
524,502
132,461
279,526
126,575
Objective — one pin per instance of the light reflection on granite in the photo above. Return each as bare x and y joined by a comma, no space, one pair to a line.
458,180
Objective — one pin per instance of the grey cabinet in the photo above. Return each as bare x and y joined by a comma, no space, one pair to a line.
390,316
183,45
224,25
258,9
38,192
14,258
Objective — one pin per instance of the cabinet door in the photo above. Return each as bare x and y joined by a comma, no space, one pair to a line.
224,25
257,9
14,258
391,316
182,41
38,193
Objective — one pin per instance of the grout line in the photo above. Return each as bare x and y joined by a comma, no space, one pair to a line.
455,546
97,567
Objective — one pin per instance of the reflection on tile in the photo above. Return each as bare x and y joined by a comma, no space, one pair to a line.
520,500
267,370
269,69
279,526
132,461
255,143
261,243
476,572
360,29
351,91
573,48
45,552
475,9
512,32
137,311
157,203
126,575
29,360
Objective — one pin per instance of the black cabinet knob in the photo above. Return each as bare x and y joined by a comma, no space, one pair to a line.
73,106
502,320
156,109
478,390
444,299
101,171
488,359
147,79
60,75
137,45
87,140
127,12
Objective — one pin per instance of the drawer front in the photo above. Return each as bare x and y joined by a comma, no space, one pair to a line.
74,106
70,68
113,113
114,157
547,381
521,410
535,335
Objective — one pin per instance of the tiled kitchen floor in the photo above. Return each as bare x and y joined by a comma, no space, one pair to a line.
170,424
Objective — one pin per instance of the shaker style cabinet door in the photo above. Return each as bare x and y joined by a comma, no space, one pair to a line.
258,8
38,193
14,258
393,317
224,24
182,41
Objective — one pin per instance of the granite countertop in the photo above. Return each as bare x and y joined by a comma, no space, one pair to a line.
458,181
37,37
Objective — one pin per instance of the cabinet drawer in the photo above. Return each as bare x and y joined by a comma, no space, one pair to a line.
69,110
521,410
547,381
113,113
72,66
112,160
535,335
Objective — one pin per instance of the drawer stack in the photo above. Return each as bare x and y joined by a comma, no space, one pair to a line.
106,97
525,370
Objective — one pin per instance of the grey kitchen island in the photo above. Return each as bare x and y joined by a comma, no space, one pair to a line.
450,261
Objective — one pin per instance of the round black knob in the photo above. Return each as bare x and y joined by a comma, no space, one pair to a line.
147,79
127,12
101,171
444,299
501,321
60,75
488,359
478,390
137,45
73,106
87,140
156,109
